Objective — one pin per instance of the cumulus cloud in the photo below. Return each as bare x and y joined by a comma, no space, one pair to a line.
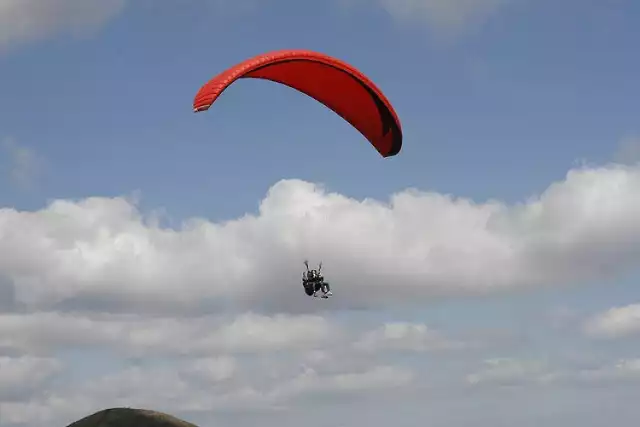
133,335
224,384
182,388
103,253
403,336
622,370
213,369
510,372
616,322
377,378
22,376
133,386
98,275
30,20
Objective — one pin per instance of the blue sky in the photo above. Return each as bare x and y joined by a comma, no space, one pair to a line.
529,111
536,89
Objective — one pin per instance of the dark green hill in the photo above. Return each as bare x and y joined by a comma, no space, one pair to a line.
130,417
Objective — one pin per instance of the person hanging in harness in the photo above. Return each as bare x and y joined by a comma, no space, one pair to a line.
313,281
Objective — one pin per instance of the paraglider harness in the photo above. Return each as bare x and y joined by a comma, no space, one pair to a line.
312,281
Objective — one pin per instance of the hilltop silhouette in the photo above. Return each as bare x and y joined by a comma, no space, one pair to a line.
130,417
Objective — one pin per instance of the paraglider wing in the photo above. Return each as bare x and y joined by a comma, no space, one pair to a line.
334,83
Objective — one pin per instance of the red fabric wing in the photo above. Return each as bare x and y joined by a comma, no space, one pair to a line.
334,83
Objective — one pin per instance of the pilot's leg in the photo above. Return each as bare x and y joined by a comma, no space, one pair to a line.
326,289
316,287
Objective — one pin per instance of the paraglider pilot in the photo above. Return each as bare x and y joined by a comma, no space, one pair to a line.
313,282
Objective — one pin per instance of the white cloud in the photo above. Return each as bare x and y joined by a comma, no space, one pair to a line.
175,389
519,372
139,336
377,378
616,322
510,372
24,165
403,336
621,370
213,369
21,376
133,386
30,20
222,385
260,332
102,253
96,274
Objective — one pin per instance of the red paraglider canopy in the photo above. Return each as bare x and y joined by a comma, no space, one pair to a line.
334,83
